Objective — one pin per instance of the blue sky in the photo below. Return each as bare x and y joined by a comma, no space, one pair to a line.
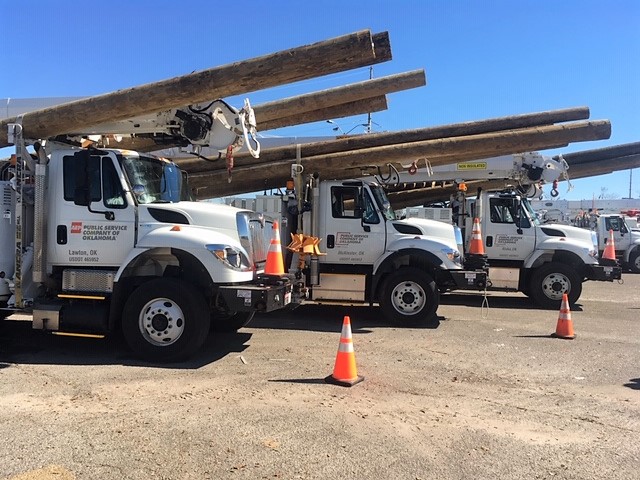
482,58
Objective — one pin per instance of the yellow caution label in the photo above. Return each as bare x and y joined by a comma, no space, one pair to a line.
472,166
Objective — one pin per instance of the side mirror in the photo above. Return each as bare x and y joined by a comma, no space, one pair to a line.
516,208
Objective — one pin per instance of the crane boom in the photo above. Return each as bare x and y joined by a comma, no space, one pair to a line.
524,168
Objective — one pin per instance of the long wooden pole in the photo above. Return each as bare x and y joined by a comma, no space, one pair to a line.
348,109
357,142
339,95
344,101
330,56
604,166
439,152
587,156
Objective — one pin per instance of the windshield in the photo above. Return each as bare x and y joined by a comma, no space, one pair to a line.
154,180
383,202
533,216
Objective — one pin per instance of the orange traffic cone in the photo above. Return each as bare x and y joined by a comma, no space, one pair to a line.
610,248
275,262
345,372
476,247
564,327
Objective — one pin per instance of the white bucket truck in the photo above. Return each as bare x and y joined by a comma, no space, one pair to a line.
96,240
541,260
367,255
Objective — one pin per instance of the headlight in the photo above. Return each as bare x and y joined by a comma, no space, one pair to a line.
452,254
231,257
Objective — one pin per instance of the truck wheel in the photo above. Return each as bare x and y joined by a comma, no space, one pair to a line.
222,321
165,320
409,297
550,281
634,261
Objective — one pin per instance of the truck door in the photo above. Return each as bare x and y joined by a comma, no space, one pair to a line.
93,223
504,239
355,231
621,236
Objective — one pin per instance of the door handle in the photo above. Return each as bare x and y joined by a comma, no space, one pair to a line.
61,234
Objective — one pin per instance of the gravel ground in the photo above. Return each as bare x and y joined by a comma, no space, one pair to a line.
484,394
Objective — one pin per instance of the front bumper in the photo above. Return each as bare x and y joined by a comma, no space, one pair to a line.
265,295
468,279
603,273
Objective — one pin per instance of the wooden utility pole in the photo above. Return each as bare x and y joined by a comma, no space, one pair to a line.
339,95
357,107
599,154
357,142
439,152
330,56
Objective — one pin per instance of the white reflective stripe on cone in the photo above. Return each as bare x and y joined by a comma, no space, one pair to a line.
345,347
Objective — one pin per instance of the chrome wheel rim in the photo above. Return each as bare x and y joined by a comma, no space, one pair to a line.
408,298
161,322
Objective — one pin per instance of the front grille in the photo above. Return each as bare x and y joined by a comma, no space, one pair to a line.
88,281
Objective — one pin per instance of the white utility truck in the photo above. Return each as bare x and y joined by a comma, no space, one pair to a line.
368,256
543,261
625,239
93,240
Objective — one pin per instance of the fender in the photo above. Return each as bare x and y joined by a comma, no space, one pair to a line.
193,240
552,246
420,246
635,245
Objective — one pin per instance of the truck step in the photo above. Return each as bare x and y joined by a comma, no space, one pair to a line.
76,296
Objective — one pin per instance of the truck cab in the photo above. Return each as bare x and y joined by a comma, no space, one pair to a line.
110,239
626,240
370,256
543,261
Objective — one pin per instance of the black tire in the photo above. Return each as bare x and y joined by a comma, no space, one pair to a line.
634,261
165,320
409,297
550,281
4,313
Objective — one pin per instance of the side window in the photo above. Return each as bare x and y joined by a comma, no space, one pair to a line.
104,183
370,215
111,186
72,171
608,225
503,210
344,201
524,220
500,212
